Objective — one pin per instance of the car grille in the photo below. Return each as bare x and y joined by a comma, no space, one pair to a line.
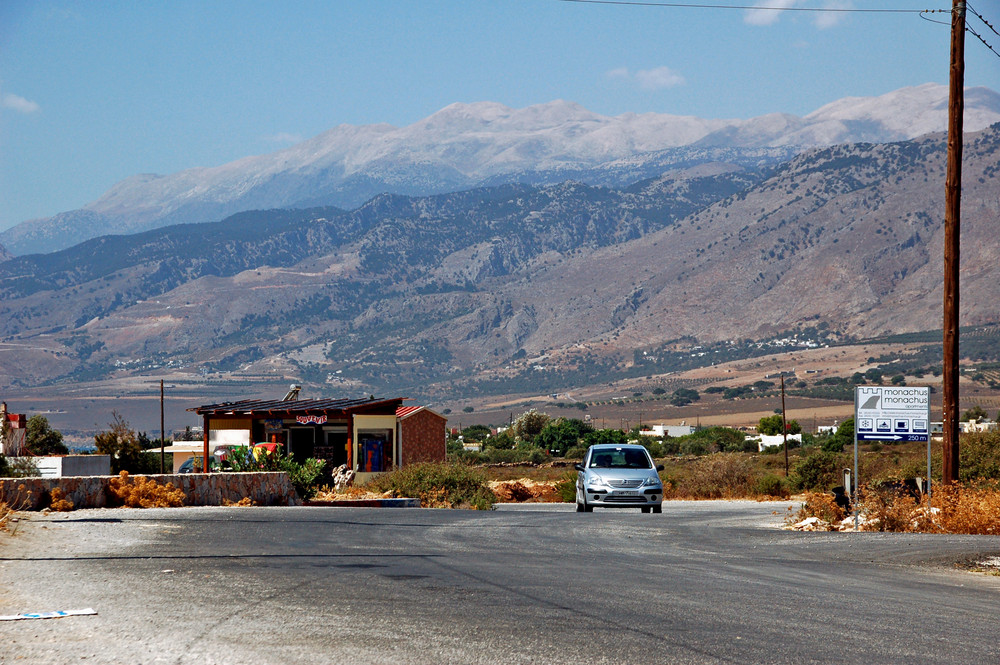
624,499
624,483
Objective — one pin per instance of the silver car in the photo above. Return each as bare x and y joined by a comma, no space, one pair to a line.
615,475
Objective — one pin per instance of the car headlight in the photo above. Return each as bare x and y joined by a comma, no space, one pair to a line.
595,481
651,482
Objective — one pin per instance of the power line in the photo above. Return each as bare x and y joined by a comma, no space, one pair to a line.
976,34
981,18
689,5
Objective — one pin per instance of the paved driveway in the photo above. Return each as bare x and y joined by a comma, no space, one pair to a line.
705,582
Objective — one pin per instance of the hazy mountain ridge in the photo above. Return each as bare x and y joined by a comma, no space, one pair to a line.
485,143
416,290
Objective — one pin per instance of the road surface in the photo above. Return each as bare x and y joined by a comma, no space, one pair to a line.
704,582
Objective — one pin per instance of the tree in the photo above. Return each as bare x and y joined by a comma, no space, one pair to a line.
561,434
476,433
843,437
41,439
684,396
976,413
605,436
121,443
529,425
771,425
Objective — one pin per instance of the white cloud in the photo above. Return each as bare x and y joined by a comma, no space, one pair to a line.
826,20
284,137
649,79
18,103
659,78
767,15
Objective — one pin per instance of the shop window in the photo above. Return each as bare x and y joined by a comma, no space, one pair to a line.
375,450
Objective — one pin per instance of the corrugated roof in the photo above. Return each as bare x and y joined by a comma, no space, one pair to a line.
304,406
403,411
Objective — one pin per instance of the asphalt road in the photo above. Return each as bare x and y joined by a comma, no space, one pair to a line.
705,582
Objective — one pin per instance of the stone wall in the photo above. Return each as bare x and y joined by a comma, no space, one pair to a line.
264,489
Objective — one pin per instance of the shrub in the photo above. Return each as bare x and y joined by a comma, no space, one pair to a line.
954,509
818,471
142,492
566,487
771,485
722,476
576,452
305,476
821,505
438,485
58,501
980,456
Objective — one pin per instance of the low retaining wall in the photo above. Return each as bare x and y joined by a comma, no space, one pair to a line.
201,489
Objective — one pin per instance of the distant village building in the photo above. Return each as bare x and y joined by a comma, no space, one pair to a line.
771,440
673,431
13,436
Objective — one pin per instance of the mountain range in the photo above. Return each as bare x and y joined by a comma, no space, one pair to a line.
466,146
500,287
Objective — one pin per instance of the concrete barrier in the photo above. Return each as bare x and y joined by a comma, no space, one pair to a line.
200,489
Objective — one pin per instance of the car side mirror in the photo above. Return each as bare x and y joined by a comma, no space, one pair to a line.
578,467
659,467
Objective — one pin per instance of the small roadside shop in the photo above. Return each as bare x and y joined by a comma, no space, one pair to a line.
364,434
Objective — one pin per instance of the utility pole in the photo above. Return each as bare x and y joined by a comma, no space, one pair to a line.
784,423
162,435
952,224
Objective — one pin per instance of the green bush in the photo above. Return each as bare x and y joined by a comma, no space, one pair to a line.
771,485
980,456
567,487
576,452
305,476
452,485
818,471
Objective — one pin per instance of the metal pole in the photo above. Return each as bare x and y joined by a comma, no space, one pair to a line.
784,424
952,223
162,435
856,496
204,454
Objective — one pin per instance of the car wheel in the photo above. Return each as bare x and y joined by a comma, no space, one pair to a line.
579,507
657,509
645,509
587,509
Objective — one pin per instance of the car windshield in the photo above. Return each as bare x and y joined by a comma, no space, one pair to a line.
618,458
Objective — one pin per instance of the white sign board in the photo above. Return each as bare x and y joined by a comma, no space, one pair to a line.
891,414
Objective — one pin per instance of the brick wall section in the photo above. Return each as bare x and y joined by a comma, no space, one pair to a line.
265,489
423,435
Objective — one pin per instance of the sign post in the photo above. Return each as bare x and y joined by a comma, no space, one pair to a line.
895,414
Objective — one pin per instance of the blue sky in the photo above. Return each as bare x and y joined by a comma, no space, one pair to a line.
93,92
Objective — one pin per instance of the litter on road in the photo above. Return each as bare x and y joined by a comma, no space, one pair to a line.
48,615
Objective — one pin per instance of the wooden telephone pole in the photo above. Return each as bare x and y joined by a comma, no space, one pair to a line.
952,219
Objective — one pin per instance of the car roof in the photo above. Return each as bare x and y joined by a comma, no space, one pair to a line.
614,446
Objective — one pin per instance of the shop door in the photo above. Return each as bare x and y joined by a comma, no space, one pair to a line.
337,445
302,442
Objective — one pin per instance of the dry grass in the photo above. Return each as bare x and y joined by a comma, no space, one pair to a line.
960,509
59,502
10,504
141,492
244,502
